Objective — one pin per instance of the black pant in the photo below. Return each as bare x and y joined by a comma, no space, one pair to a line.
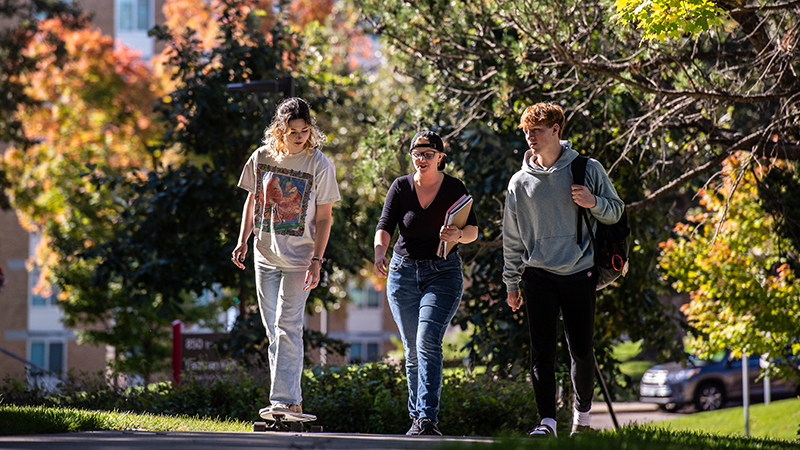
574,296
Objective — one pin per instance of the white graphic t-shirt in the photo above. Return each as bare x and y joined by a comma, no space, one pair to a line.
286,195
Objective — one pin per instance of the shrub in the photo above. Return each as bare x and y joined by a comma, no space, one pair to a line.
233,394
369,398
487,406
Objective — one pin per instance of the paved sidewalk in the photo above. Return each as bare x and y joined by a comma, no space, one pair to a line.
145,440
627,413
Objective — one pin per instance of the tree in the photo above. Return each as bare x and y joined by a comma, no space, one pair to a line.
71,117
14,40
84,107
87,103
661,115
208,122
694,100
662,19
131,244
777,191
735,265
480,64
160,247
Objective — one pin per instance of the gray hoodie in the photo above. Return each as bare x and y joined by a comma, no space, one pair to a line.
539,221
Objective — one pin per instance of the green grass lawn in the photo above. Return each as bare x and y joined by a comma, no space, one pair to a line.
772,421
623,352
17,420
780,419
635,369
626,350
630,438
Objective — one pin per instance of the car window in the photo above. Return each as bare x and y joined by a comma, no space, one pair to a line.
718,357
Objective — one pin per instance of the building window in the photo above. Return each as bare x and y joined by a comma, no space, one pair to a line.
364,352
372,351
355,353
365,297
41,15
47,355
134,15
36,298
33,276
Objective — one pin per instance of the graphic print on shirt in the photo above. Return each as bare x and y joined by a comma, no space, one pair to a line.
282,200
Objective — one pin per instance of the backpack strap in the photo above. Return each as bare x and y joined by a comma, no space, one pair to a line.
578,168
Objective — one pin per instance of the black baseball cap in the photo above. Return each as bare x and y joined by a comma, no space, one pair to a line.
435,142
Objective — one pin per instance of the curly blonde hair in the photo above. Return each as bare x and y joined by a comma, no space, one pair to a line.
275,135
547,114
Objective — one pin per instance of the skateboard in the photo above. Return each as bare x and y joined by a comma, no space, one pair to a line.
283,420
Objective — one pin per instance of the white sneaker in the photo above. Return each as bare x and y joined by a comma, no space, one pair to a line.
542,431
278,407
290,412
281,407
547,429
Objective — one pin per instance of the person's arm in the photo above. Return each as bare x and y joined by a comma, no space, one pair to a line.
513,249
323,220
245,230
608,206
381,243
386,225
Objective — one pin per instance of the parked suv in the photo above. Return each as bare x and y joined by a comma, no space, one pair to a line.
706,383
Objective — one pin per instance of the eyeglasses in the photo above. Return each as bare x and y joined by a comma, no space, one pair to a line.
429,154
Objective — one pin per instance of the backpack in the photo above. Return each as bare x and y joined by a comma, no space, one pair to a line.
611,242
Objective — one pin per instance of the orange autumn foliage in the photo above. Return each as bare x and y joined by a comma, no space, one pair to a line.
203,18
730,259
303,12
95,107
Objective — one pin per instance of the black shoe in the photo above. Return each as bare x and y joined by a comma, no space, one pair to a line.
428,427
415,429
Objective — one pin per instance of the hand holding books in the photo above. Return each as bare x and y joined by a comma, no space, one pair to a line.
456,215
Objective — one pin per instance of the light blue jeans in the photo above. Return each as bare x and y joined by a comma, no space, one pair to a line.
282,301
424,296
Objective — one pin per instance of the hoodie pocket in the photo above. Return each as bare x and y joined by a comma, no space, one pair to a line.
556,253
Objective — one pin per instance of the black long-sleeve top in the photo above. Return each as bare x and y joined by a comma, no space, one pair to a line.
419,228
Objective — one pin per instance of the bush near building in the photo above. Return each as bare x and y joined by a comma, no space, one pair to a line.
369,398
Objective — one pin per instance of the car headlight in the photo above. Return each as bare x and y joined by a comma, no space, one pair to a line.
654,377
682,375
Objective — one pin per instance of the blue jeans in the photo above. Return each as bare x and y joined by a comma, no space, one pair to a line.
282,301
424,296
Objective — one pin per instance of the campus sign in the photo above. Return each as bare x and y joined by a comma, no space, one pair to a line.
196,354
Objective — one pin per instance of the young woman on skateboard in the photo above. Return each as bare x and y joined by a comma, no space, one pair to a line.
291,188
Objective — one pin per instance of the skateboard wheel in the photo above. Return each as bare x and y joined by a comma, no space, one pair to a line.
260,426
316,429
296,426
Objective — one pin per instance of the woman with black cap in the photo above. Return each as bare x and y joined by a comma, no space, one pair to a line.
423,290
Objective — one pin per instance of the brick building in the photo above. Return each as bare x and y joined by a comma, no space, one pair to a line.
31,326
